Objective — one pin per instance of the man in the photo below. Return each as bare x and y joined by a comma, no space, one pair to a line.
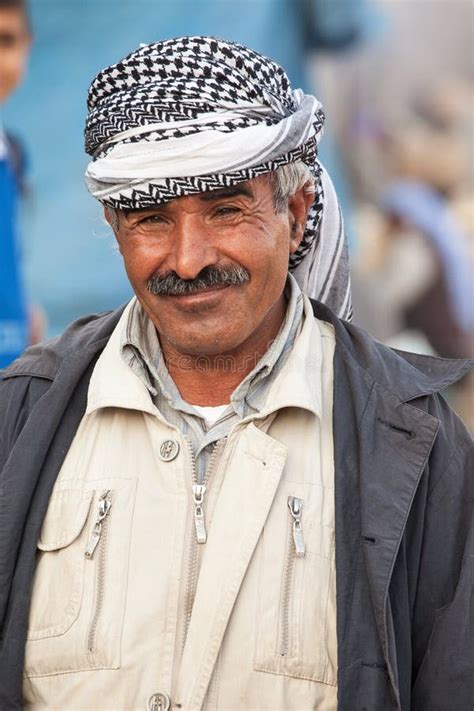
223,496
15,41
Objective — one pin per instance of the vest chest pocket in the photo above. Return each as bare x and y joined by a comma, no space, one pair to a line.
296,616
80,581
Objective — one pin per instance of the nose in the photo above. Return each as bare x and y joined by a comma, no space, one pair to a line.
192,248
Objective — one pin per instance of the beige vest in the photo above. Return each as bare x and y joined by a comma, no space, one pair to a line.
130,612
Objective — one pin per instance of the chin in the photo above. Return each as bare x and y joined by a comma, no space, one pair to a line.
197,345
203,348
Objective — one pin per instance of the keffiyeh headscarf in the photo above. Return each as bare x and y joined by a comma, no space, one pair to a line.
192,114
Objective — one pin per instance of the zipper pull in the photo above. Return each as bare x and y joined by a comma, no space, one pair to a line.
199,523
296,506
105,503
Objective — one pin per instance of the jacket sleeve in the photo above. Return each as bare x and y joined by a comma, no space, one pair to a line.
443,612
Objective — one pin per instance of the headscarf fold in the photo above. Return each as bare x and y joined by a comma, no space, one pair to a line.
192,114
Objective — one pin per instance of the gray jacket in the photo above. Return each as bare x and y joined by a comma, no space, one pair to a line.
404,512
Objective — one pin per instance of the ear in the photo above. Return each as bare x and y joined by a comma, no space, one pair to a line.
298,207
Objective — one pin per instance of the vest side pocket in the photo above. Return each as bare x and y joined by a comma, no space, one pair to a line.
59,575
81,579
296,616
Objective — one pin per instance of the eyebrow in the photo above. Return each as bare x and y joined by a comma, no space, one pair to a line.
230,192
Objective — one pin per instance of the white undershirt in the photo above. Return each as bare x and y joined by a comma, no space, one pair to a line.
210,414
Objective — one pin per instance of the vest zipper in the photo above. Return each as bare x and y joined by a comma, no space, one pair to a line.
98,541
199,521
199,491
295,548
199,536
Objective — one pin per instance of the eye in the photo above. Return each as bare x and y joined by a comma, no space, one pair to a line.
152,220
226,210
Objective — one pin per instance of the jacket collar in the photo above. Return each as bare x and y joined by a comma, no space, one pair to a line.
113,382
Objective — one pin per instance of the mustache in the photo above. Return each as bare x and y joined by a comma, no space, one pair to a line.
172,285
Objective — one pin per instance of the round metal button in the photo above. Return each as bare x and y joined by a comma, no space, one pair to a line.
158,702
169,450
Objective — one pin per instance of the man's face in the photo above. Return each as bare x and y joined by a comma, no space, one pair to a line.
235,227
14,45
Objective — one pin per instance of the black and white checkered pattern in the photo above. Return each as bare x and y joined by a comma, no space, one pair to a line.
178,79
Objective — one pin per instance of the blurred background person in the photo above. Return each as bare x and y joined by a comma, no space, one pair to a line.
418,256
15,39
418,292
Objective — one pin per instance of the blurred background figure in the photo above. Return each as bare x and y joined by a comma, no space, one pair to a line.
413,277
408,132
15,41
416,290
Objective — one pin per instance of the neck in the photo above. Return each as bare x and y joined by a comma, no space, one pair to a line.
210,380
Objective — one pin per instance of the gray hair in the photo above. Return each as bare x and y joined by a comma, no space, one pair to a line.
112,217
286,180
289,178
